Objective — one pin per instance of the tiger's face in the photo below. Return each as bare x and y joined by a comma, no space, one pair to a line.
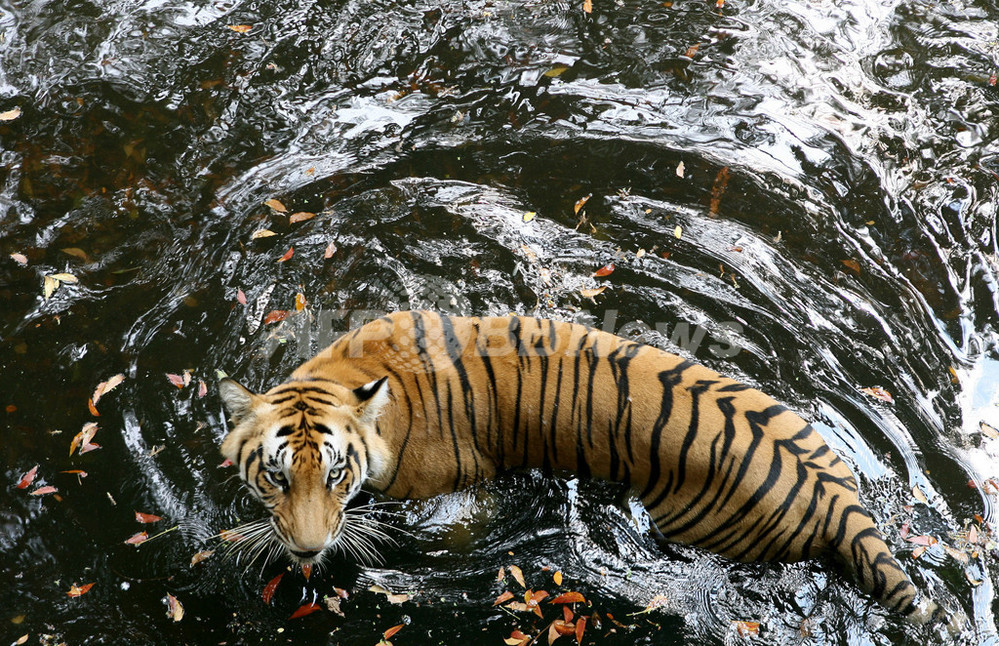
304,449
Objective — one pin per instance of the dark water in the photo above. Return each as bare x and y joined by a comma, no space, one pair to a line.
833,171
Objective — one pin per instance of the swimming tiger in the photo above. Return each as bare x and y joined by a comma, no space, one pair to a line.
417,404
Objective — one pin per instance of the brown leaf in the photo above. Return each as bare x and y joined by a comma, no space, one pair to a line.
241,29
307,609
10,115
105,387
175,610
606,270
747,628
852,265
878,393
506,596
391,631
330,250
568,597
592,293
201,556
301,216
84,437
276,205
276,315
299,302
262,233
307,570
76,252
580,627
79,590
287,254
580,203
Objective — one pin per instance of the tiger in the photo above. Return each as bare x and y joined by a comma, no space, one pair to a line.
417,404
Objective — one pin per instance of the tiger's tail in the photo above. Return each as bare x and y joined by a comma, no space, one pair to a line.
866,556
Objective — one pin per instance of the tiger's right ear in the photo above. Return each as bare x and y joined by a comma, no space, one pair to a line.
237,399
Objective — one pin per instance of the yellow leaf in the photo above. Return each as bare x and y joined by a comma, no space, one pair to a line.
919,495
10,115
262,233
678,231
518,575
51,284
530,215
106,386
555,71
175,610
557,577
240,29
66,278
591,293
76,252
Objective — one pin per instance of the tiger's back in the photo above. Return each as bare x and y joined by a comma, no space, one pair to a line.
717,464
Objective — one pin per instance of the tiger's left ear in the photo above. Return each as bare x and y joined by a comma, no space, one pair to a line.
371,398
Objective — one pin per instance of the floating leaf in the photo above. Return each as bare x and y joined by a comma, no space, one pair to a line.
556,71
105,387
23,639
678,232
391,631
241,297
287,254
518,575
225,463
28,478
330,250
270,588
580,627
561,628
276,315
10,115
680,169
918,494
176,380
606,270
924,540
721,179
916,553
580,203
76,252
307,609
301,216
66,278
852,265
84,437
591,293
299,302
49,286
175,610
262,233
137,539
201,556
147,518
517,638
242,29
392,598
972,580
19,258
557,577
878,392
568,597
588,6
79,590
506,596
307,570
41,491
988,430
276,205
957,555
747,628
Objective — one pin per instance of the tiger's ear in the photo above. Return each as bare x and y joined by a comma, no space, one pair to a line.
237,399
371,398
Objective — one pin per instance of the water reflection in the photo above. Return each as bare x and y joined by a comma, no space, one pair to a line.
822,175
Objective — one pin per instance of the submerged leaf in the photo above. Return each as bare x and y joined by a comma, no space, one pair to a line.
41,491
518,575
79,590
137,539
147,518
175,610
270,588
28,478
307,609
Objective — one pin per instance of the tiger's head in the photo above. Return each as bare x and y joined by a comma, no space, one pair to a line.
304,449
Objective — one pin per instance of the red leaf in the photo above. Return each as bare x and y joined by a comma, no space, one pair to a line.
137,539
225,463
241,297
147,518
83,437
391,631
287,254
569,597
28,478
78,590
276,315
92,408
307,609
606,270
307,570
202,388
41,491
580,627
176,380
270,588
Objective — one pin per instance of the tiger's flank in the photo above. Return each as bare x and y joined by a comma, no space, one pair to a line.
417,404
